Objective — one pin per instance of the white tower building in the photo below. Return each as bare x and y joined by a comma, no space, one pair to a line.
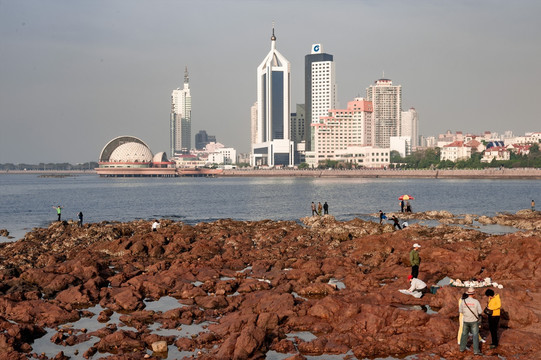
409,126
181,118
273,145
387,101
320,94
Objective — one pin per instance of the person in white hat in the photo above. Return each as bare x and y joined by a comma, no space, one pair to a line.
415,260
471,310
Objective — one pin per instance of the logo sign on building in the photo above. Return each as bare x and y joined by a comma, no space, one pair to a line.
316,49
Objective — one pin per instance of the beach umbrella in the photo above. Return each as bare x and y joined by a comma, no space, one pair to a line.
406,197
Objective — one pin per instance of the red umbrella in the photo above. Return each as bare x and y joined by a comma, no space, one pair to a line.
406,197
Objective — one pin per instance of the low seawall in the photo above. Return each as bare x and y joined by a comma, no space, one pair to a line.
523,173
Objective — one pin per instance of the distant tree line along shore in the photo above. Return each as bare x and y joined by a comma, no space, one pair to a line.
49,166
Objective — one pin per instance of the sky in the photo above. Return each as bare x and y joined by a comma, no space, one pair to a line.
76,74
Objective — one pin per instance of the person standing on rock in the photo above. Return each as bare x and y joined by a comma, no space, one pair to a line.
80,216
533,205
415,260
58,212
408,206
470,308
314,212
326,208
382,216
402,206
493,312
319,208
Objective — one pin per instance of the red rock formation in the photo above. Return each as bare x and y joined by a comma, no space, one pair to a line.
257,282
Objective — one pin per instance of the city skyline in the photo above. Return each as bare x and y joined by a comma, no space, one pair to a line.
75,75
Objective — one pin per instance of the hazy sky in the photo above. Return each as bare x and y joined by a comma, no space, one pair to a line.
75,74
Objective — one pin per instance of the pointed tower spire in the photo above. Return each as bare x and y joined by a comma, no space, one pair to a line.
186,77
273,38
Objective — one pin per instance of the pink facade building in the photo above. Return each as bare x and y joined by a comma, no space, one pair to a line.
342,128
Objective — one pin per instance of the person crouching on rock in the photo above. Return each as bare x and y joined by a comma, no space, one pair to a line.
417,285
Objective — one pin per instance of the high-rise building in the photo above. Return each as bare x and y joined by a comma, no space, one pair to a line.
181,118
253,123
273,145
387,101
320,94
409,126
298,125
202,139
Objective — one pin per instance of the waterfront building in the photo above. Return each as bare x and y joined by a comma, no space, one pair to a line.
387,102
455,151
128,156
409,126
498,153
340,129
202,139
364,156
223,156
273,145
181,118
402,144
320,93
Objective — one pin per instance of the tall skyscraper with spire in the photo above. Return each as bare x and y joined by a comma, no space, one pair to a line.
272,134
181,118
320,93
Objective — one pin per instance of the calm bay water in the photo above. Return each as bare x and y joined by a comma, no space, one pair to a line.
26,201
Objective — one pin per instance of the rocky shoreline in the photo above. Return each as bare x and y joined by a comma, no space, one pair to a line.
255,286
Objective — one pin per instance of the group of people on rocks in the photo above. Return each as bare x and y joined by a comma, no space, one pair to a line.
405,206
469,308
395,220
59,208
471,313
316,210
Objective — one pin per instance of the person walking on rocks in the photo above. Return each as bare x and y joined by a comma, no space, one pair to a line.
396,223
415,260
314,211
493,312
471,310
326,208
319,208
59,212
80,216
533,205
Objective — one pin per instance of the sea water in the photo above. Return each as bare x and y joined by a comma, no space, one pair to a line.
27,200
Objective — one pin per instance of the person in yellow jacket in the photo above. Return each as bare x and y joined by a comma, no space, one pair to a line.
494,307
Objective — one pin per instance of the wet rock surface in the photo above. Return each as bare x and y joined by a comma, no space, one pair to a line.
251,286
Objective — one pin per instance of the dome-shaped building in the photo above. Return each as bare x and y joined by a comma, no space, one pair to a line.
130,156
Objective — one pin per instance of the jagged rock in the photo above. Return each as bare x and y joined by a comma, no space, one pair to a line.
254,282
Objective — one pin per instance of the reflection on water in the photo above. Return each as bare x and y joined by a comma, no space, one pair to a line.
45,346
